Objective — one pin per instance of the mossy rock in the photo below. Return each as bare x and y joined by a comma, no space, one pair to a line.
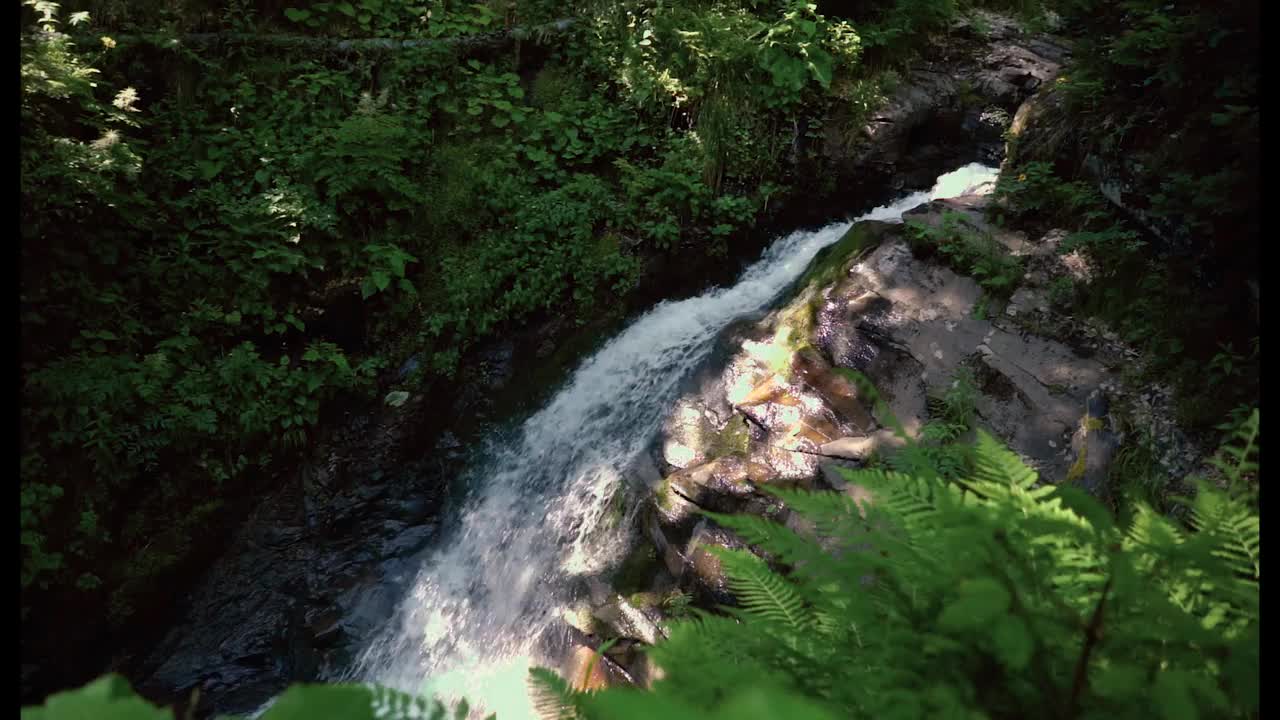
644,599
832,261
637,570
733,438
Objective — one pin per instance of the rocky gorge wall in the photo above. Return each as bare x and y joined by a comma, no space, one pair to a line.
774,410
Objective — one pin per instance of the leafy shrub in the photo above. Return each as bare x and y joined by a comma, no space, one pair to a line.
1033,194
969,252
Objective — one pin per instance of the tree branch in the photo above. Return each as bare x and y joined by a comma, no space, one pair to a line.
1091,636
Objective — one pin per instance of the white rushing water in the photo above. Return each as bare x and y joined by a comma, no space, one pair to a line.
536,520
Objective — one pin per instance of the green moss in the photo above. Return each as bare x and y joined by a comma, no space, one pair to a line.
799,320
636,572
831,263
734,438
644,599
663,494
617,507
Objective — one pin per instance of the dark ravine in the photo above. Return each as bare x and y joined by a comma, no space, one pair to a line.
277,605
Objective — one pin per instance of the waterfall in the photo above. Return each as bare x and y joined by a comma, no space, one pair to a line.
538,518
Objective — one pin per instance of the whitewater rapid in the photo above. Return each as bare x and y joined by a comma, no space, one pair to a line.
538,518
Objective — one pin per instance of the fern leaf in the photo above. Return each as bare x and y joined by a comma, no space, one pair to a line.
762,592
996,464
552,697
1236,457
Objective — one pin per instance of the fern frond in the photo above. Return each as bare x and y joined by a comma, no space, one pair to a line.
778,541
995,464
553,698
912,499
1233,525
1151,530
763,593
819,506
1237,457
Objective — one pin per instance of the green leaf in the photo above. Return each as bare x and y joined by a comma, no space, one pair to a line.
346,9
1172,698
340,702
107,698
297,15
381,280
232,317
1086,506
208,169
981,601
1013,642
1119,681
396,398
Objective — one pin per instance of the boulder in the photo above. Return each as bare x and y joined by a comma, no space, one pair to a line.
627,621
668,552
587,670
1010,70
687,434
1029,387
836,390
791,457
861,448
705,578
726,484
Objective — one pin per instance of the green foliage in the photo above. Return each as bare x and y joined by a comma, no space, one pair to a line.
111,698
1237,458
895,30
968,251
984,596
1160,103
108,697
394,18
1033,192
677,604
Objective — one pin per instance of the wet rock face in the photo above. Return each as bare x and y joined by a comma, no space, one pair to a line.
315,568
726,484
950,108
836,390
704,577
908,324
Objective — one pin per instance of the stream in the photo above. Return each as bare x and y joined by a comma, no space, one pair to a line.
536,521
